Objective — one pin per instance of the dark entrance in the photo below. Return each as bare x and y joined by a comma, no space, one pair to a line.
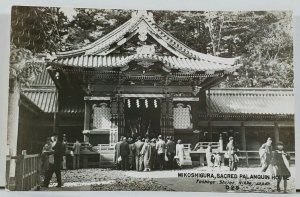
142,117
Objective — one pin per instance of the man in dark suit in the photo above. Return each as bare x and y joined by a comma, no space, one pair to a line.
117,153
58,150
171,151
124,152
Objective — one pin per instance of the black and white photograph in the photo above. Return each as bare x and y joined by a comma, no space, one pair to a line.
150,100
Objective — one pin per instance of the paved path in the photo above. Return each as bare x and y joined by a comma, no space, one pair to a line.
106,180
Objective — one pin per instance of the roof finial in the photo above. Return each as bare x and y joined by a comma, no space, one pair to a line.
142,13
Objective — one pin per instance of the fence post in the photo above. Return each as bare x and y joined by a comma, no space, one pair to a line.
221,143
20,171
247,161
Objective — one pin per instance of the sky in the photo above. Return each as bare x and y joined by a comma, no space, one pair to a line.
69,12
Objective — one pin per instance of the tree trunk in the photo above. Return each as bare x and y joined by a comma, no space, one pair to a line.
12,127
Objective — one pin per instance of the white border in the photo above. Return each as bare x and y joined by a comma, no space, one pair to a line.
5,6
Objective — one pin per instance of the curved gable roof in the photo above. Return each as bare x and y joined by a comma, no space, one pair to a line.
142,22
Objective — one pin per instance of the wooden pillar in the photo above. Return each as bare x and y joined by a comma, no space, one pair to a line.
170,120
243,140
87,119
209,129
243,136
12,128
209,126
166,123
121,117
276,130
163,117
114,120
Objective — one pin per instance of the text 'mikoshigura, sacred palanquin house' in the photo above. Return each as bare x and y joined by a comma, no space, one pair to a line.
139,80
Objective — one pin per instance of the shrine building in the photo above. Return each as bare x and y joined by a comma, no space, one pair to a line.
139,80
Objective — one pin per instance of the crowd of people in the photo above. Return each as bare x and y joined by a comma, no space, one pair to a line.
146,154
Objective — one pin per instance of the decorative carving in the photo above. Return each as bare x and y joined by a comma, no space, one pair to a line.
102,116
146,49
182,116
196,90
145,64
143,30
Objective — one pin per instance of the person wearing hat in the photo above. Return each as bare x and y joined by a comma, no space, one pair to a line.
265,154
231,152
281,166
160,148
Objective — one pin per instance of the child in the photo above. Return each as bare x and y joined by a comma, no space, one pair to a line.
217,159
281,166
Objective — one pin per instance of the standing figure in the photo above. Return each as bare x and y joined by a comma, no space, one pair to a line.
265,153
47,149
208,154
58,151
281,166
117,154
217,159
76,157
64,162
131,156
231,152
147,155
160,148
138,156
179,153
154,156
124,153
171,151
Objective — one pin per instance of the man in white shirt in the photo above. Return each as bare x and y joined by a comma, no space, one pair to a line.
160,148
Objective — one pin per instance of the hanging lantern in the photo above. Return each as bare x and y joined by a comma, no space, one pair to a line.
155,103
137,103
146,103
128,103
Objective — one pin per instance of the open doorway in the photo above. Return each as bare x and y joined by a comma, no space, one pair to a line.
142,117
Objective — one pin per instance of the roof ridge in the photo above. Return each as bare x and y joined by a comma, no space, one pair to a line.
134,25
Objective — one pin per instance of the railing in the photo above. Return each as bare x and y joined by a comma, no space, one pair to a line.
204,145
254,155
27,176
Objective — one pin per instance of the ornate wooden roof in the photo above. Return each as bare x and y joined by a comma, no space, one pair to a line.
100,52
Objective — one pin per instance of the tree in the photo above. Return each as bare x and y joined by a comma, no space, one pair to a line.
38,29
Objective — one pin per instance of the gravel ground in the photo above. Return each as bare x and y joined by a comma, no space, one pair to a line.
114,180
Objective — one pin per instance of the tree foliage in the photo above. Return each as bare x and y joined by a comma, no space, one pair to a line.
38,29
263,40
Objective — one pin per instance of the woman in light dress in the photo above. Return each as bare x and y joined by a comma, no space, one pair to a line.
179,153
208,154
147,155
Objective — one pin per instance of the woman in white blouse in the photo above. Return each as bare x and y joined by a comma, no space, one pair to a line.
180,153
